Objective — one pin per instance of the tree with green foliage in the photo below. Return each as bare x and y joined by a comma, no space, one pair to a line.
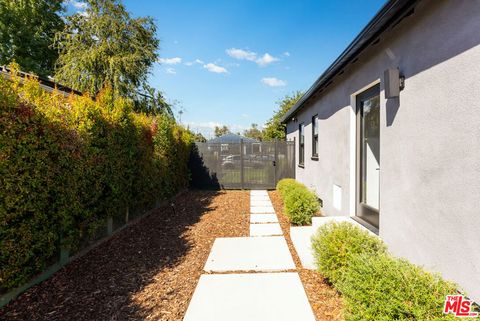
274,129
253,132
220,131
106,47
198,137
27,31
152,102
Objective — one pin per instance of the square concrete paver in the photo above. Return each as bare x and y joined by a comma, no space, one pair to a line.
249,254
260,203
263,218
252,297
267,229
261,209
258,192
301,238
255,198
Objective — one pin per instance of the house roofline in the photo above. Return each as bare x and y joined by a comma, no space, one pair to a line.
45,83
389,15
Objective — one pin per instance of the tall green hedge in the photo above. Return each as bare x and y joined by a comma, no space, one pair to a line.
69,163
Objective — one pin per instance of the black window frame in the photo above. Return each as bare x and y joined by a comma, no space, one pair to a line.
301,145
315,137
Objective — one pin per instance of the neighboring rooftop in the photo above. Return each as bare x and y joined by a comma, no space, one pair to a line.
45,83
389,15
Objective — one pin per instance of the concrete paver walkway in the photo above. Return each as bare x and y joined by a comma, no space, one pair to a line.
263,218
249,254
267,229
249,297
258,295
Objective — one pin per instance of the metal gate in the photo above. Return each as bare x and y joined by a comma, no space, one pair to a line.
252,165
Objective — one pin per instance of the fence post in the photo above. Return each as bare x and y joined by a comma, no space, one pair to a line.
275,164
64,255
109,226
241,163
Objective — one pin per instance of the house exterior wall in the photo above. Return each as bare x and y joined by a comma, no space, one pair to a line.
429,139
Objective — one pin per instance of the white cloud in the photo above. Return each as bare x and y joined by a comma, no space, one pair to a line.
286,54
273,82
170,61
196,61
215,68
170,71
80,5
207,128
241,54
266,59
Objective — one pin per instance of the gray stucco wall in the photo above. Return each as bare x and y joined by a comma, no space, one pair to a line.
429,139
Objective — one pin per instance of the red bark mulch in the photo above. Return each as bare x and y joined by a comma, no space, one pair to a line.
148,271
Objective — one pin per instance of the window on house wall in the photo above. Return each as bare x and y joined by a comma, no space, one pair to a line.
315,136
301,144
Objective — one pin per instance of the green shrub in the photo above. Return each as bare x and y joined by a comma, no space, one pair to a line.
379,287
286,184
67,164
335,244
300,204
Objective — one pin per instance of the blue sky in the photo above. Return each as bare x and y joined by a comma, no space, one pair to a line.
229,62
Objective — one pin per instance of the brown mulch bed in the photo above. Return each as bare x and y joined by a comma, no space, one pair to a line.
326,302
148,271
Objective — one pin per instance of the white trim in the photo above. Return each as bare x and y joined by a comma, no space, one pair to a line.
353,143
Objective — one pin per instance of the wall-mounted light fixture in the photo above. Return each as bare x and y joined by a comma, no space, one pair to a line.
394,82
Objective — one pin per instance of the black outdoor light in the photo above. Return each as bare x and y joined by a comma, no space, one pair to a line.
394,82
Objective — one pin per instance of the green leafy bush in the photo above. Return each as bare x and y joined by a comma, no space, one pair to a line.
380,287
69,163
375,285
300,204
287,184
335,244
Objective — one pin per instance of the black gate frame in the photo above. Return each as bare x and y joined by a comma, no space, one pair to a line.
244,165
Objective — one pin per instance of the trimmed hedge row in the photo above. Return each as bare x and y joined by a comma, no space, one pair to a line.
68,164
375,285
300,204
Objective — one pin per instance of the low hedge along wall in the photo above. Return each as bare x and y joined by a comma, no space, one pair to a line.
375,285
300,204
68,164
